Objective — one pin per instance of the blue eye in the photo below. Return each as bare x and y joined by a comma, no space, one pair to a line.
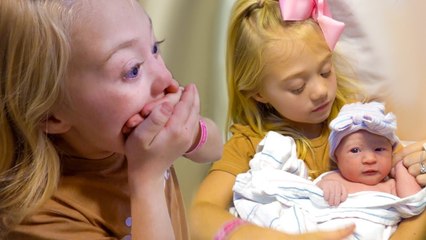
156,47
133,72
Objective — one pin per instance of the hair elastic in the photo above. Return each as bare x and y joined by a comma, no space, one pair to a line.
228,228
203,137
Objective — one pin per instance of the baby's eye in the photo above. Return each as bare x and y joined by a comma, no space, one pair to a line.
133,72
379,149
355,150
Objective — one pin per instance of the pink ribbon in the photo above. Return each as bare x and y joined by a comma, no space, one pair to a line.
296,10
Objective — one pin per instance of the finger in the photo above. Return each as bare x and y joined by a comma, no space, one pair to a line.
421,179
172,98
194,110
414,158
407,150
418,168
338,234
154,123
326,193
336,197
184,109
344,195
196,105
131,123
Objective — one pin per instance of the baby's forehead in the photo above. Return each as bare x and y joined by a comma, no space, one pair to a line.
364,135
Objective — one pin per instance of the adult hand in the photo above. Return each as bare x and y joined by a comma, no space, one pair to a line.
413,157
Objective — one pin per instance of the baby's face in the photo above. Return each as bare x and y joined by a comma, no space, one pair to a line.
364,157
115,70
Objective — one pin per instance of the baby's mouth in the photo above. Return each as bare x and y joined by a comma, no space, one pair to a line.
369,172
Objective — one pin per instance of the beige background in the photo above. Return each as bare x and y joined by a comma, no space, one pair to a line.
384,39
194,33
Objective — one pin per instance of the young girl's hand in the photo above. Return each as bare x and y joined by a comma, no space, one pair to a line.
172,98
256,232
164,135
334,192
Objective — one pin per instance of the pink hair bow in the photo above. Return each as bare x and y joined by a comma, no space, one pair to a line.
296,10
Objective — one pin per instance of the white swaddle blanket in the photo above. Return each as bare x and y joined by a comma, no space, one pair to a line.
276,193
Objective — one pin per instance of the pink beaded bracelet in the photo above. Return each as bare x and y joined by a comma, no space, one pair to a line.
228,228
203,137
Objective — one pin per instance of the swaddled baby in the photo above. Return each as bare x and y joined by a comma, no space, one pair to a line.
276,193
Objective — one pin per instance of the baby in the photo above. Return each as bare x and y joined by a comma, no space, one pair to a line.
277,193
362,142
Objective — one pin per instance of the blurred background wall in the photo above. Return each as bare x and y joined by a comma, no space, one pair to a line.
194,33
384,39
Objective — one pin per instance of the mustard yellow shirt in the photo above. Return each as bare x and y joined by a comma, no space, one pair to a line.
92,202
241,147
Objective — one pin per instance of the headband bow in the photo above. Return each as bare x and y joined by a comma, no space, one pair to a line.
370,117
296,10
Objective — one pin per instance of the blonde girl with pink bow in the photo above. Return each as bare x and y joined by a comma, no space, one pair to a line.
283,75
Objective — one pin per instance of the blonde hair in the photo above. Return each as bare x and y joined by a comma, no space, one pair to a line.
34,55
254,26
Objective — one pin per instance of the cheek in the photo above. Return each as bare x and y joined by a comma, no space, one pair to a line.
347,167
333,86
386,163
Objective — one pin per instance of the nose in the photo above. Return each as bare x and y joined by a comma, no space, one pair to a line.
163,81
369,158
319,89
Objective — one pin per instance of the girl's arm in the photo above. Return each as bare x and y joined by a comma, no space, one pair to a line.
209,213
411,228
208,144
414,227
166,126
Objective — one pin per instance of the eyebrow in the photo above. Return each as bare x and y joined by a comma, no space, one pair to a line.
124,45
